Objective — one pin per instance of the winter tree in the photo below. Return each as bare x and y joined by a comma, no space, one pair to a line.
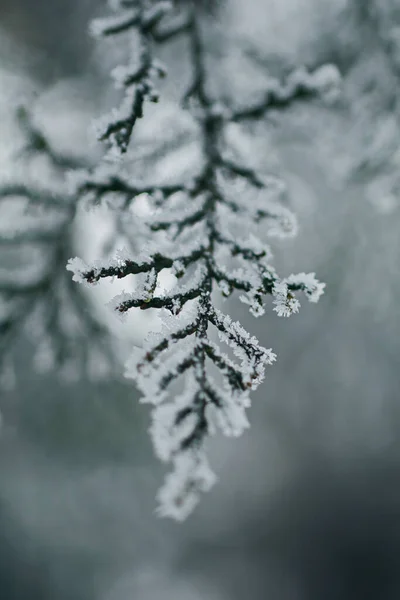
192,235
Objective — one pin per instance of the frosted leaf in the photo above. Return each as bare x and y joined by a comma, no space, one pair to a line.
232,418
182,488
174,422
253,357
312,288
78,267
253,300
145,286
286,304
196,280
149,285
179,209
254,244
282,222
211,412
153,377
167,435
115,304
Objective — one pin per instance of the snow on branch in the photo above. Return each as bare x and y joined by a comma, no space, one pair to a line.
208,231
324,82
94,186
144,19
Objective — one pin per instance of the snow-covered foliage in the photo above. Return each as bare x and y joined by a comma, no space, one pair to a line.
209,231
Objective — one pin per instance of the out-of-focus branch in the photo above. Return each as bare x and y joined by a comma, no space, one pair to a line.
36,296
300,85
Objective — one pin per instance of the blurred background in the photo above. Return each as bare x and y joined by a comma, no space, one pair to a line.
308,502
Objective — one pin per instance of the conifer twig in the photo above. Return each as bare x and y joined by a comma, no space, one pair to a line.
206,231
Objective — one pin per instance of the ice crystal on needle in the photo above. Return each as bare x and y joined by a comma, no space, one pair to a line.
208,232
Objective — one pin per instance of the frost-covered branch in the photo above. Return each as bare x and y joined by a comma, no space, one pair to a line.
209,232
300,85
143,20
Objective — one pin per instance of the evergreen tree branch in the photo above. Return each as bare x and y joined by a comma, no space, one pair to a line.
195,230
